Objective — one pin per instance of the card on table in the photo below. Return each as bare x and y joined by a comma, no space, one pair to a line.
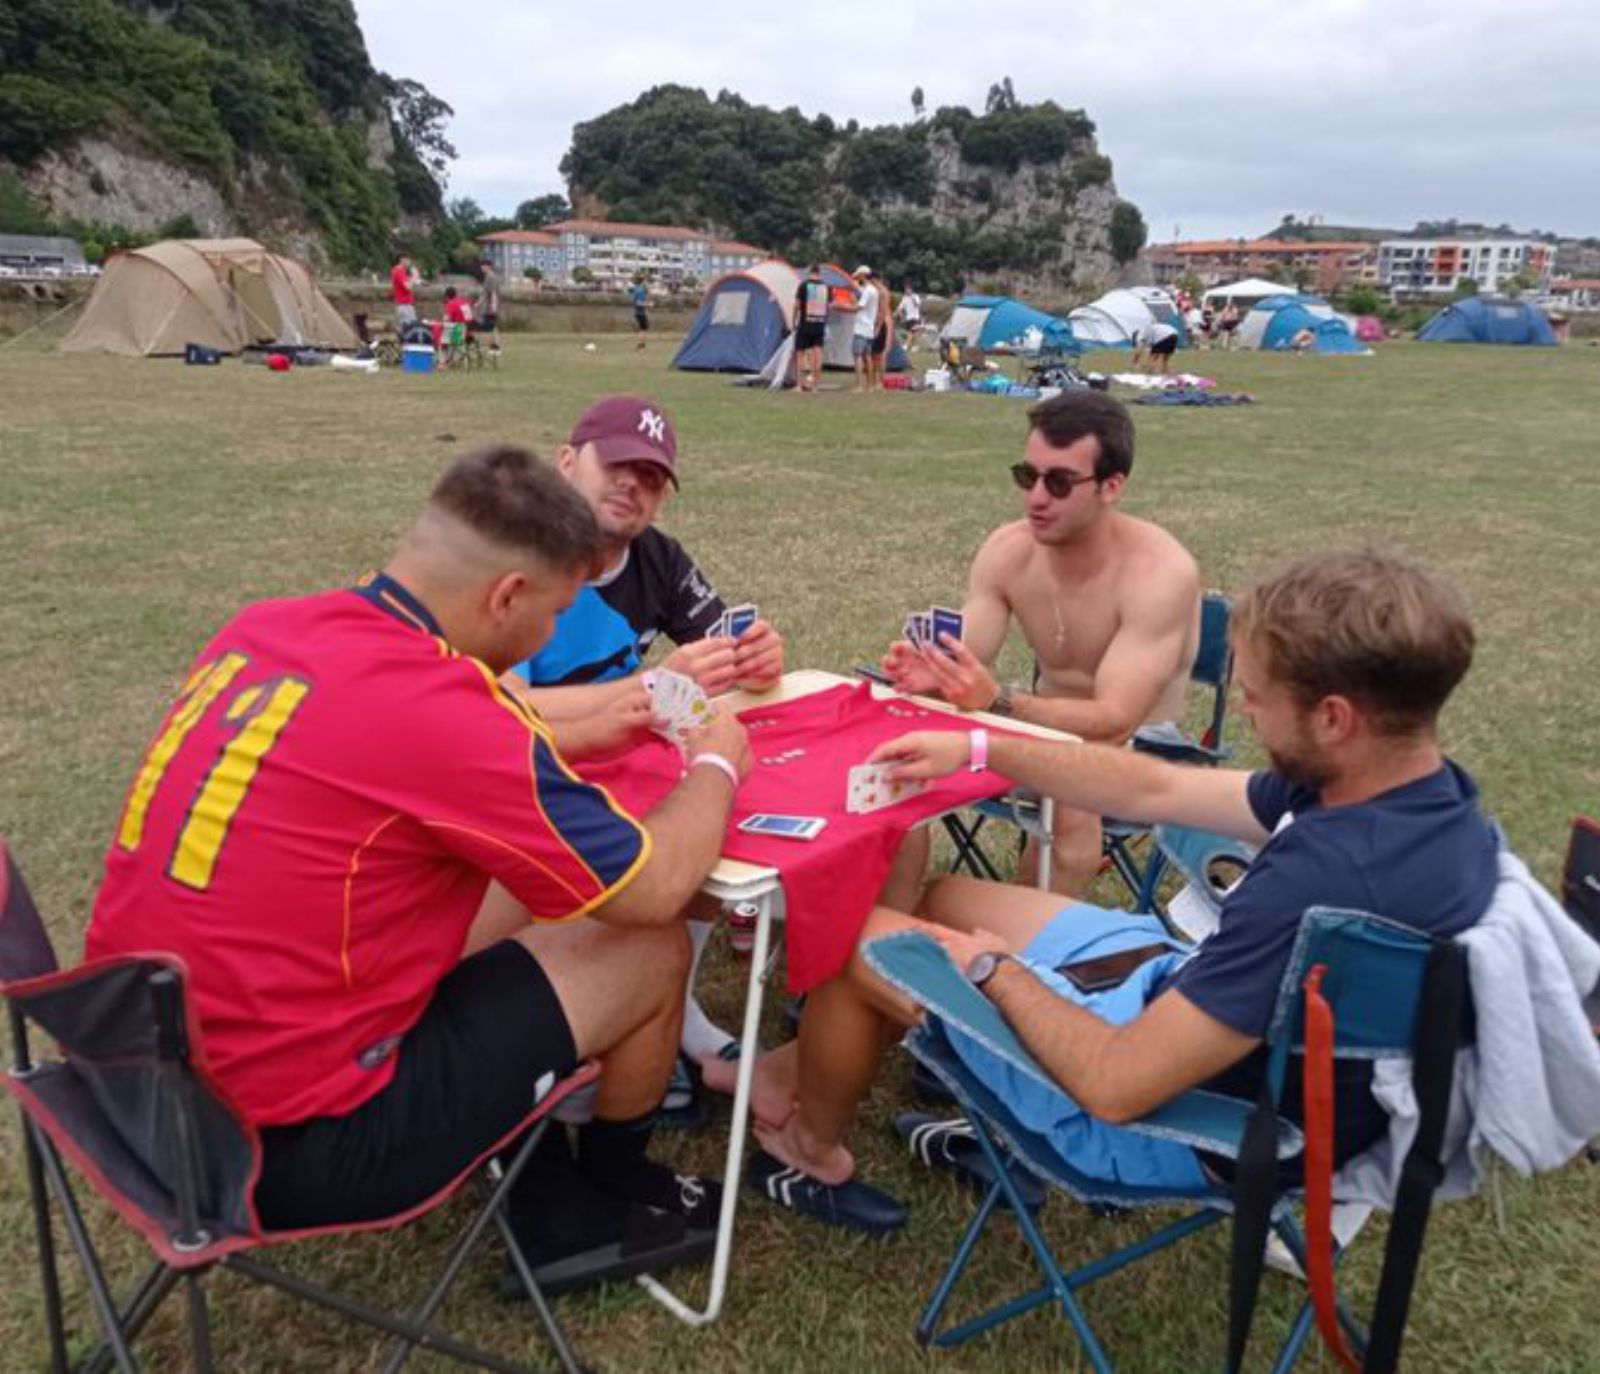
870,788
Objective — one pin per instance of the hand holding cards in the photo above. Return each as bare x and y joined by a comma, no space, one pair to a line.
733,622
924,628
677,705
870,788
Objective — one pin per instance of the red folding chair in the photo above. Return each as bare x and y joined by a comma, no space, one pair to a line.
128,1102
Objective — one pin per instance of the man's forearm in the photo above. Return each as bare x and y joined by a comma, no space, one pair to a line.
1084,717
1075,1046
686,835
557,704
1099,778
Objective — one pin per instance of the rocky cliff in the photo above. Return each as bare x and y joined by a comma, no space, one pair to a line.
216,117
1019,198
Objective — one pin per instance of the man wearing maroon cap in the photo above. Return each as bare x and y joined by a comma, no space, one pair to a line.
622,455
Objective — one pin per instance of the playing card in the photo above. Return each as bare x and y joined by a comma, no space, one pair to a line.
870,788
738,619
718,628
677,705
945,622
925,629
911,631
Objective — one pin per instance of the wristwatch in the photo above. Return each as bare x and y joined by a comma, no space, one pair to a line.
1004,703
982,967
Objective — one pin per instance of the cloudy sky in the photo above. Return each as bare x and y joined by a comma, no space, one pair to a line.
1220,118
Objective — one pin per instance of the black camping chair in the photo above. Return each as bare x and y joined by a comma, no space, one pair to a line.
129,1103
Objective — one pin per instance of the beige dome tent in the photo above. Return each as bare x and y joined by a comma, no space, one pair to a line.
223,293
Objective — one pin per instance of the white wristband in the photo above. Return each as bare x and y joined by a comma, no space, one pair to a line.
721,764
978,750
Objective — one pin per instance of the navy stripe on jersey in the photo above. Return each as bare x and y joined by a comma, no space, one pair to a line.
608,840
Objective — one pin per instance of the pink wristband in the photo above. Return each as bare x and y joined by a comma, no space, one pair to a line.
978,744
721,764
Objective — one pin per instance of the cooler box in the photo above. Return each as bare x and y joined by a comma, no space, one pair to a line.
416,358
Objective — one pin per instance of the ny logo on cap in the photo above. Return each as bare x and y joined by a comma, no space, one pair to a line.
654,425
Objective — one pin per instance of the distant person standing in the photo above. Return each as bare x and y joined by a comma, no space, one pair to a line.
640,296
910,313
488,310
810,327
1228,323
866,326
402,289
883,335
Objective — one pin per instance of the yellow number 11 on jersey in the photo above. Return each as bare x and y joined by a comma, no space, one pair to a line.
260,713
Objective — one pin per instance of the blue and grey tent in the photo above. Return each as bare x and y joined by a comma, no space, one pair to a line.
1274,323
991,322
1475,320
745,321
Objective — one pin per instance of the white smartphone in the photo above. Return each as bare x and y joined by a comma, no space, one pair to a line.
783,827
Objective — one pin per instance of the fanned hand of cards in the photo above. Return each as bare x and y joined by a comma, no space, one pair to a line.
870,788
733,622
677,705
923,628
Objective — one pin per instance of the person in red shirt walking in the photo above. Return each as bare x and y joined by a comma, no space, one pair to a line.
402,287
314,832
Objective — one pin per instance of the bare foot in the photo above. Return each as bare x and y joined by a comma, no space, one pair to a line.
772,1098
827,1164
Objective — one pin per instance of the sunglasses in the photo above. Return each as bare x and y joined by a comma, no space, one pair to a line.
1059,482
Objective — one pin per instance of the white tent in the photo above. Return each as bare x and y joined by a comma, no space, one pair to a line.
1114,319
1246,293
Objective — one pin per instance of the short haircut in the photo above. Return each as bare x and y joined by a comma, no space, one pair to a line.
513,498
1079,412
1365,625
449,293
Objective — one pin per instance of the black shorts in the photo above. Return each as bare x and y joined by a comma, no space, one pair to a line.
880,341
810,336
641,319
488,323
491,1044
1165,348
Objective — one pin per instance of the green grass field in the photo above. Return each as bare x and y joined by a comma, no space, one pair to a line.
143,502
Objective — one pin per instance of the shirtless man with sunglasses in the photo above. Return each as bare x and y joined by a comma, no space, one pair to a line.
1109,604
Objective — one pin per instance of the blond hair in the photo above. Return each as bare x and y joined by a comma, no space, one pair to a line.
1365,625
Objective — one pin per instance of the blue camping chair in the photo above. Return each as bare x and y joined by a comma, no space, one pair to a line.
1376,973
1213,669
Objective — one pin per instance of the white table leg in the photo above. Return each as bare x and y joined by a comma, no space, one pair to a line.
733,1170
1047,821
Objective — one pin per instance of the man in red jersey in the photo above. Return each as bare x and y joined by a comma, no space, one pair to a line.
402,287
314,831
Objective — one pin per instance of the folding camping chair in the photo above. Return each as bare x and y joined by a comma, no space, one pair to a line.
1387,991
1213,669
129,1103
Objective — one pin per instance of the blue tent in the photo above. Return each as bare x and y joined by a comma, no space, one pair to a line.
1274,322
744,320
1000,322
741,321
1479,321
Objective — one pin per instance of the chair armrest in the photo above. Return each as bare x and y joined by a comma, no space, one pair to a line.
1185,751
1213,1122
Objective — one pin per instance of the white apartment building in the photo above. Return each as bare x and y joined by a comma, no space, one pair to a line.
1436,266
613,253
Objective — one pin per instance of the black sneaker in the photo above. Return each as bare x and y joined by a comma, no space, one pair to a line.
853,1204
951,1146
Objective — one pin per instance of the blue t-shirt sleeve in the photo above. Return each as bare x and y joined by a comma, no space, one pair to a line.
1272,795
1235,974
